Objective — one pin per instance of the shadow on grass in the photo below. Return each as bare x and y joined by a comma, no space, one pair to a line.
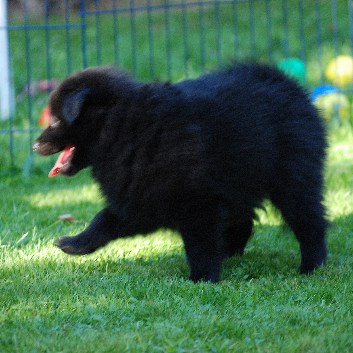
158,256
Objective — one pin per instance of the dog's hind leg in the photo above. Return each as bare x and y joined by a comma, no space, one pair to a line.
101,230
305,215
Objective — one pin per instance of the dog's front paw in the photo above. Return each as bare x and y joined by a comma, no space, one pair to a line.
67,245
212,277
72,246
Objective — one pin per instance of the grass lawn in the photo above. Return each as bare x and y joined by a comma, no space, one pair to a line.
133,295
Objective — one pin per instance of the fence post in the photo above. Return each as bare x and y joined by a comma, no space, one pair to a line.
6,93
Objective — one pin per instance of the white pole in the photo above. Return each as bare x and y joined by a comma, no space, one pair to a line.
6,98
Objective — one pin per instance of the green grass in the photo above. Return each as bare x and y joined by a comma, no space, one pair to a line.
133,295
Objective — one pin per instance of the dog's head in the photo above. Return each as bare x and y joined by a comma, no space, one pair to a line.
78,108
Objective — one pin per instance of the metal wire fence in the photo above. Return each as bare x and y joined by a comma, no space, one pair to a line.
165,40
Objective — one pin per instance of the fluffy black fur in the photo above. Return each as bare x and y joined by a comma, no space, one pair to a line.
197,157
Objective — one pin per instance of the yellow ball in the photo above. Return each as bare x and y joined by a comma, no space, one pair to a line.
340,70
333,106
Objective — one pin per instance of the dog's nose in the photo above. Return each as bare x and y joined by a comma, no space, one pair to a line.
35,146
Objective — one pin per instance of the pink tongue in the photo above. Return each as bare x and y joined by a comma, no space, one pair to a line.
63,157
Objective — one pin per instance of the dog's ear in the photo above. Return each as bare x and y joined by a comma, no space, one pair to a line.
73,104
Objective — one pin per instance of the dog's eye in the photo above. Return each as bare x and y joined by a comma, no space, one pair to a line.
54,125
54,122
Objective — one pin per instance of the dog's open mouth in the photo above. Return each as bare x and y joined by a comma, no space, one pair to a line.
63,161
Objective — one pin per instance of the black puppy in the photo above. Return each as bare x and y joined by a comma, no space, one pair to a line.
197,157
